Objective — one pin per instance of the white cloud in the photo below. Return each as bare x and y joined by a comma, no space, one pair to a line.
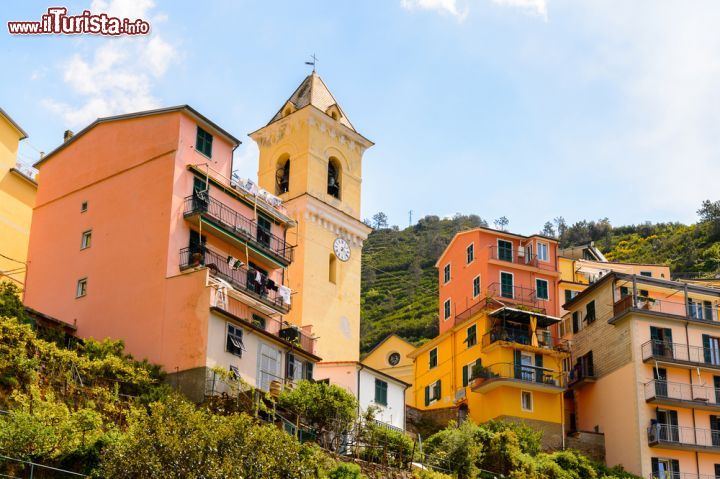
536,7
444,6
119,75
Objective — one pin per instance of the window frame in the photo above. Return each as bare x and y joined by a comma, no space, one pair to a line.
512,284
474,336
231,331
86,239
433,359
479,286
546,245
589,319
523,392
512,250
547,288
200,148
447,309
447,273
470,253
84,206
81,292
383,390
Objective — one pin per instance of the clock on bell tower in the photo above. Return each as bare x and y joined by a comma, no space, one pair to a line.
311,157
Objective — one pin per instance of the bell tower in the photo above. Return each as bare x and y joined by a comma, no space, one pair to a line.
311,157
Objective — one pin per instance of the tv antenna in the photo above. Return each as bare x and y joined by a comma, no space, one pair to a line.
313,62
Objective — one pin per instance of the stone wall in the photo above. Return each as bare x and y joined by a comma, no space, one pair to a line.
552,432
591,444
427,422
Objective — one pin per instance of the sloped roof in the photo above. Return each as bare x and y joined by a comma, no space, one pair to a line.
23,135
313,91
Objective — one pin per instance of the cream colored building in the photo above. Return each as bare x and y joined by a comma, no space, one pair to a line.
390,356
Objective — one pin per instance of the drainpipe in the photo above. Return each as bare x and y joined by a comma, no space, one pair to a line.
634,284
358,386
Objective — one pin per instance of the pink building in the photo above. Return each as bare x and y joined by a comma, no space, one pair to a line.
141,233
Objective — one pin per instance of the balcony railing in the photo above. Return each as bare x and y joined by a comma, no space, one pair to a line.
692,311
239,225
682,392
512,256
681,353
582,372
664,435
522,336
516,294
240,278
519,372
278,328
680,475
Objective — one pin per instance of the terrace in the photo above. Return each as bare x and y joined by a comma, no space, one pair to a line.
511,326
487,378
669,436
682,395
680,354
501,255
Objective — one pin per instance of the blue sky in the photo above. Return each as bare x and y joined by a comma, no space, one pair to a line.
525,108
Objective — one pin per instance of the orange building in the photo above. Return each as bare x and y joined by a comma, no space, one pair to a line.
141,233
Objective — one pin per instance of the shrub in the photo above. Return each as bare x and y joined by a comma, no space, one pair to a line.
345,470
456,449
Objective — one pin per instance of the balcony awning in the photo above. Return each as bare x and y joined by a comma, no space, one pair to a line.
523,316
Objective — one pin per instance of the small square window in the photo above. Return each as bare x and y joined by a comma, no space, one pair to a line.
526,401
541,289
203,142
81,288
86,238
446,273
234,340
83,206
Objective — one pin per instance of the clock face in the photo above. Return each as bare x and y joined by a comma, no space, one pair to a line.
341,249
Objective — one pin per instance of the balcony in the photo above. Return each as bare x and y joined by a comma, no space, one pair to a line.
680,437
681,475
517,375
524,336
237,228
682,395
509,255
517,295
281,329
241,279
582,373
681,354
693,311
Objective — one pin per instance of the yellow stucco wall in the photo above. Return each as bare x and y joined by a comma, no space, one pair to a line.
378,359
17,199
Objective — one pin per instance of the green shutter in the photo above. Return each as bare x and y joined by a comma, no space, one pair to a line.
655,467
427,395
706,348
518,363
539,373
308,371
466,375
438,389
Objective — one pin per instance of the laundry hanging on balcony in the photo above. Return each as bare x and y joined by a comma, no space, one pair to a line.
234,263
533,333
284,292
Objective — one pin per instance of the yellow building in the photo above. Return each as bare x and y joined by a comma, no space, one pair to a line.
311,157
491,366
17,199
390,356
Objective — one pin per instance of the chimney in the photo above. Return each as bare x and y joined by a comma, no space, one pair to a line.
67,135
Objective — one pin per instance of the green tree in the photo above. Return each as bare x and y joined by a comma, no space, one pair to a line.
456,449
10,304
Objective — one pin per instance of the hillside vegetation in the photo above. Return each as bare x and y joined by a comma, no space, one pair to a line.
399,287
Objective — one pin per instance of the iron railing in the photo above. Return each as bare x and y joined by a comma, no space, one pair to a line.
238,224
582,370
683,353
519,372
512,256
278,328
666,434
691,311
516,294
691,393
521,336
240,278
680,475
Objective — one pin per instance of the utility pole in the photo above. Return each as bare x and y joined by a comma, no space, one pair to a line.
410,213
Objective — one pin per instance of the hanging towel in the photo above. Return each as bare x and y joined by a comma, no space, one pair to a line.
271,285
258,277
284,292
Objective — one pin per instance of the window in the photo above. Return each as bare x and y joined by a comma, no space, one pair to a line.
526,401
569,295
665,468
471,253
381,392
203,142
471,338
467,371
258,321
507,290
505,250
446,273
263,234
81,288
83,206
646,273
433,358
234,372
282,177
85,240
268,366
333,178
590,312
234,340
575,322
543,251
394,358
332,269
446,309
476,286
541,290
433,392
624,291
